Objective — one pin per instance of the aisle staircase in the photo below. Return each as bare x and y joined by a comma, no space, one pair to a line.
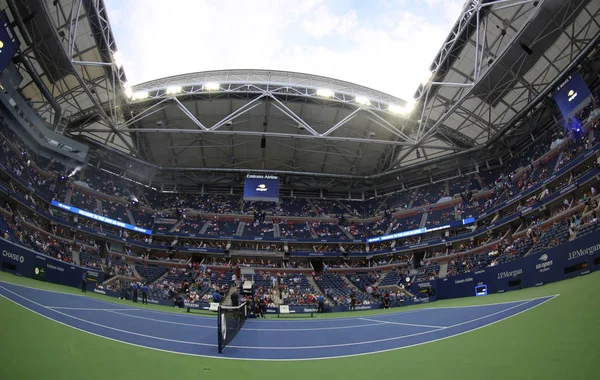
383,275
234,286
68,196
443,270
76,258
314,285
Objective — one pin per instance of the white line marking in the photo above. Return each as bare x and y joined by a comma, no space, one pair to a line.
274,360
270,347
85,308
116,311
317,319
108,327
404,324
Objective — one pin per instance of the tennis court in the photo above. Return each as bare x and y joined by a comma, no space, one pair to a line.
317,338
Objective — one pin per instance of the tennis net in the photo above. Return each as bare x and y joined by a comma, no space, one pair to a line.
230,321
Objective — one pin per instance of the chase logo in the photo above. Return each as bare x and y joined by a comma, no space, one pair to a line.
543,257
262,187
13,256
572,95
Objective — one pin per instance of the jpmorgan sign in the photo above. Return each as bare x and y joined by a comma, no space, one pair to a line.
583,252
13,256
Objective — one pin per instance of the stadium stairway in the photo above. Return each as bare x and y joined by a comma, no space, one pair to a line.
443,270
389,230
346,232
204,228
457,215
161,278
350,212
312,205
276,231
314,285
179,223
384,202
135,272
130,216
423,219
557,162
99,204
349,283
75,253
478,177
68,196
232,288
383,275
313,234
240,229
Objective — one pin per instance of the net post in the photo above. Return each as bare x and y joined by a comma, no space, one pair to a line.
219,326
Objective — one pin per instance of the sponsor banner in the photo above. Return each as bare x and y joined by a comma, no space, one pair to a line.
569,260
99,218
24,262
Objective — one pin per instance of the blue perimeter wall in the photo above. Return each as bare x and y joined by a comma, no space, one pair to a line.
27,263
535,270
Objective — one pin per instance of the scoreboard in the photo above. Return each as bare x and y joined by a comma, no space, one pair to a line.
258,187
8,42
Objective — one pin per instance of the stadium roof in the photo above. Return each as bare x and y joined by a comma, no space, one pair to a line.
493,73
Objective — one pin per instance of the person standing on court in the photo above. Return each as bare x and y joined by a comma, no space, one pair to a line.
134,286
83,283
235,299
321,302
145,294
353,302
261,306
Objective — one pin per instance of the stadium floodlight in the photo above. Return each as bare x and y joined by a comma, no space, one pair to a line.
325,92
128,90
117,59
426,77
174,90
363,100
211,86
140,95
410,105
394,108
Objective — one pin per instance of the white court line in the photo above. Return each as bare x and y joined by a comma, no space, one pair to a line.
270,347
86,308
106,327
248,328
317,319
403,324
274,360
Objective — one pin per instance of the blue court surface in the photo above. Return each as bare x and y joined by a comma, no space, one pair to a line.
315,338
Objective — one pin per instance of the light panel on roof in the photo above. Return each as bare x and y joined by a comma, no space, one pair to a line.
174,90
140,95
325,92
363,100
211,86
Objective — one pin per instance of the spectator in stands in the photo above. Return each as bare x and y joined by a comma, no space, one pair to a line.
217,297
